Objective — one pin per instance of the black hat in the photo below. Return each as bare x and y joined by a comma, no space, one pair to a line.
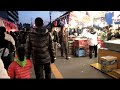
2,29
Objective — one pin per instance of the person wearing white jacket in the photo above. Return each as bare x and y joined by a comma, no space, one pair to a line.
9,38
92,42
3,71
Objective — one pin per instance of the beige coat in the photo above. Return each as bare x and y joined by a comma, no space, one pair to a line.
3,72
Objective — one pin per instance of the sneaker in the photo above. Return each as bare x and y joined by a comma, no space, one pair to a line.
68,58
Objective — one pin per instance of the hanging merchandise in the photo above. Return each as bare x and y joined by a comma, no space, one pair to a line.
66,24
117,20
108,17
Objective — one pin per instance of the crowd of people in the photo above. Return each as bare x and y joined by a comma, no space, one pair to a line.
21,50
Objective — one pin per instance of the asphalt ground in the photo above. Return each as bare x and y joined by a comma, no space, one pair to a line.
74,68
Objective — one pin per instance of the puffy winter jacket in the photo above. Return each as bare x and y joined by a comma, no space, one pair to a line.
18,72
40,45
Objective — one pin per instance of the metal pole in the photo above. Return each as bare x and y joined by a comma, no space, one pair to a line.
50,19
31,23
50,15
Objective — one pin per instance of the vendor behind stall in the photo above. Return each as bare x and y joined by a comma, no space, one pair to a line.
103,35
92,41
54,34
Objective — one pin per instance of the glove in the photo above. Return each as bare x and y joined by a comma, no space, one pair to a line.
58,45
53,60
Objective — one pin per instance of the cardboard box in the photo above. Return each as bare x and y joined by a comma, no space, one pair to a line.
108,60
116,73
108,68
108,63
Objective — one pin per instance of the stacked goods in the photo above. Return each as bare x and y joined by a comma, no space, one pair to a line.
116,73
81,44
100,44
108,63
70,44
86,46
86,50
80,52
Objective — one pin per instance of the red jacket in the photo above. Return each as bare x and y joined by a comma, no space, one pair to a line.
18,72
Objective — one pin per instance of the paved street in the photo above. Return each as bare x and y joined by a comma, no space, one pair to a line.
76,68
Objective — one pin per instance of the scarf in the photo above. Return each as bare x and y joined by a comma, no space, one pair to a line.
21,63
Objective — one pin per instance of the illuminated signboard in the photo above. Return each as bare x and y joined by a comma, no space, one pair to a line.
9,26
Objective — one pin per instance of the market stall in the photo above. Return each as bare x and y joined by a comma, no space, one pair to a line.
76,22
80,44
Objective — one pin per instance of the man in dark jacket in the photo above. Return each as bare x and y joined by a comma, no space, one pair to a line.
54,34
40,45
63,40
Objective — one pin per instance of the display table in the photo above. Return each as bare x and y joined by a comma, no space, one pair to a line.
113,45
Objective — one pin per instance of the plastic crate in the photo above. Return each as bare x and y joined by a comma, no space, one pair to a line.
80,52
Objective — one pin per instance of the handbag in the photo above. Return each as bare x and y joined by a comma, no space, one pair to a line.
6,59
3,53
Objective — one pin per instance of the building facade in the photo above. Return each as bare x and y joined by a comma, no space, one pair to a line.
11,16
